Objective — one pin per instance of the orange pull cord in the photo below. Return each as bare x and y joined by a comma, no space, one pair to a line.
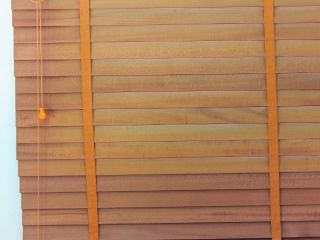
42,112
41,109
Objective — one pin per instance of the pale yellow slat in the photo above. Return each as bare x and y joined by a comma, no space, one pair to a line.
181,149
178,83
130,50
179,99
169,166
179,116
159,33
159,133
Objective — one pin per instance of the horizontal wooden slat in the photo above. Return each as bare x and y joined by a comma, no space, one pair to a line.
171,199
54,118
179,116
298,48
169,166
180,231
173,66
148,166
299,131
50,135
51,101
299,114
305,147
156,33
301,14
51,151
105,84
298,81
49,35
180,149
180,100
120,117
114,17
120,17
128,50
197,49
73,4
158,133
172,215
180,132
49,85
170,182
297,31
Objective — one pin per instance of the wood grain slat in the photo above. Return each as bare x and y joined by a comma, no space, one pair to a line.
49,84
127,117
145,50
172,215
182,231
155,16
73,4
297,31
172,199
160,166
170,182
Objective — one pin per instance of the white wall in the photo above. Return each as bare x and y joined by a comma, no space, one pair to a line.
10,213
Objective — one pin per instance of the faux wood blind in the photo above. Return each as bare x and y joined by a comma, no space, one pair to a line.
180,119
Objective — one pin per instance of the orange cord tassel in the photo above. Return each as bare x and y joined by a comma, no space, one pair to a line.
42,114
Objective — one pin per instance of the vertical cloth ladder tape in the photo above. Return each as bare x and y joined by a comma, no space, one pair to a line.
85,45
273,137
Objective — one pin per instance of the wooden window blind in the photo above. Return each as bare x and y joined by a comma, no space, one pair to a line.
179,118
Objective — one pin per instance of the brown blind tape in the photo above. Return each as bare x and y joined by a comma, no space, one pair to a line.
272,119
88,119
